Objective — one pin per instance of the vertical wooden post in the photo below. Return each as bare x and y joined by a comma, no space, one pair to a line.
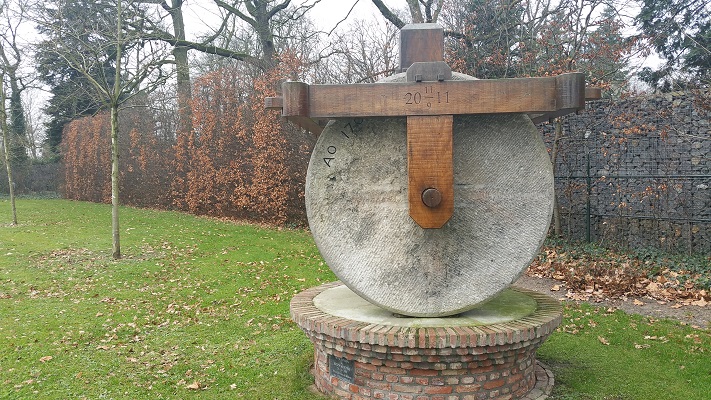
429,138
430,189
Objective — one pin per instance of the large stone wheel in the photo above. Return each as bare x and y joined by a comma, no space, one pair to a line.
357,206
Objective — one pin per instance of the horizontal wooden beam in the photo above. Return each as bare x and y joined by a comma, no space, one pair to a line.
542,98
486,96
591,93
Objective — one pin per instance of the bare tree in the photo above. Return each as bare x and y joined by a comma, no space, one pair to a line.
259,15
116,61
12,17
420,11
366,52
12,14
174,33
265,17
6,147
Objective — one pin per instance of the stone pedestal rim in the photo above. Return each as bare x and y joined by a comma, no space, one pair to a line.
544,320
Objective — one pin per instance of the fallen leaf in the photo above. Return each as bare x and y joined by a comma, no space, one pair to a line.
194,386
700,303
233,386
676,306
641,346
46,358
603,340
555,288
637,302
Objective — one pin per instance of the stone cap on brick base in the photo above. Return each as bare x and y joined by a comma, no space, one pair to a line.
314,321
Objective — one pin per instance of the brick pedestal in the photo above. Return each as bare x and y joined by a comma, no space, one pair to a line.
365,360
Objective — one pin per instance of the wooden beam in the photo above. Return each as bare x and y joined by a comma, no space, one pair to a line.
430,170
593,93
307,124
486,96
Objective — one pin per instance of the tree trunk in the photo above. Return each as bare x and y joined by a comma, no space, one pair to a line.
180,53
185,112
114,103
416,14
6,146
415,11
115,231
266,38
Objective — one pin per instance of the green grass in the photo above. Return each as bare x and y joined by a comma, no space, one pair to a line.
194,302
601,354
198,308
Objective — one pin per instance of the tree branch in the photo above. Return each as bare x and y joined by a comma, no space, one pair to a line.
278,8
344,18
237,12
205,48
385,11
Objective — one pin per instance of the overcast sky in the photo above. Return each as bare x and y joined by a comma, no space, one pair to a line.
329,12
326,14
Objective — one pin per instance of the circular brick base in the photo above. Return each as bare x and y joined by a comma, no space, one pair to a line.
365,360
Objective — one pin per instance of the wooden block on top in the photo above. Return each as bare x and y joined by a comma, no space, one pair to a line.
421,43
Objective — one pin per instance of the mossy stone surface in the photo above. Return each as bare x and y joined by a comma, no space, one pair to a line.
507,306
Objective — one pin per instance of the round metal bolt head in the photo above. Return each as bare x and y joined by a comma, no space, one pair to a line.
431,197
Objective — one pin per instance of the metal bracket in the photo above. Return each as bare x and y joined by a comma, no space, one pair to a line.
435,71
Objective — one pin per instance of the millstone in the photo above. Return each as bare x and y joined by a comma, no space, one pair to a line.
357,207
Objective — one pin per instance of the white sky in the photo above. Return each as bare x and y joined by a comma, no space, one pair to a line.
328,12
201,14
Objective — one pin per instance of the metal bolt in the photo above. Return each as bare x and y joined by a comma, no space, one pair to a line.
431,197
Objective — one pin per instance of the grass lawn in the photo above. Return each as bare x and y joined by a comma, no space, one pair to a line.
199,308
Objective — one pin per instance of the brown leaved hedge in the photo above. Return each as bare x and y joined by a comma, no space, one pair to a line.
240,161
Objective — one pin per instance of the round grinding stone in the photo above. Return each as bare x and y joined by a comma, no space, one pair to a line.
357,207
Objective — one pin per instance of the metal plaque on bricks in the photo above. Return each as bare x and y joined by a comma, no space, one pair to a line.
341,368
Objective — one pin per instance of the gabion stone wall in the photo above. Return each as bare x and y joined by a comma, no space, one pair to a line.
637,172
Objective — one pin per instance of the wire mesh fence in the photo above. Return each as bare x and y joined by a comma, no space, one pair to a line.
636,173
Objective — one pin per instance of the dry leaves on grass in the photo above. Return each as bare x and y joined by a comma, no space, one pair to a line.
617,275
